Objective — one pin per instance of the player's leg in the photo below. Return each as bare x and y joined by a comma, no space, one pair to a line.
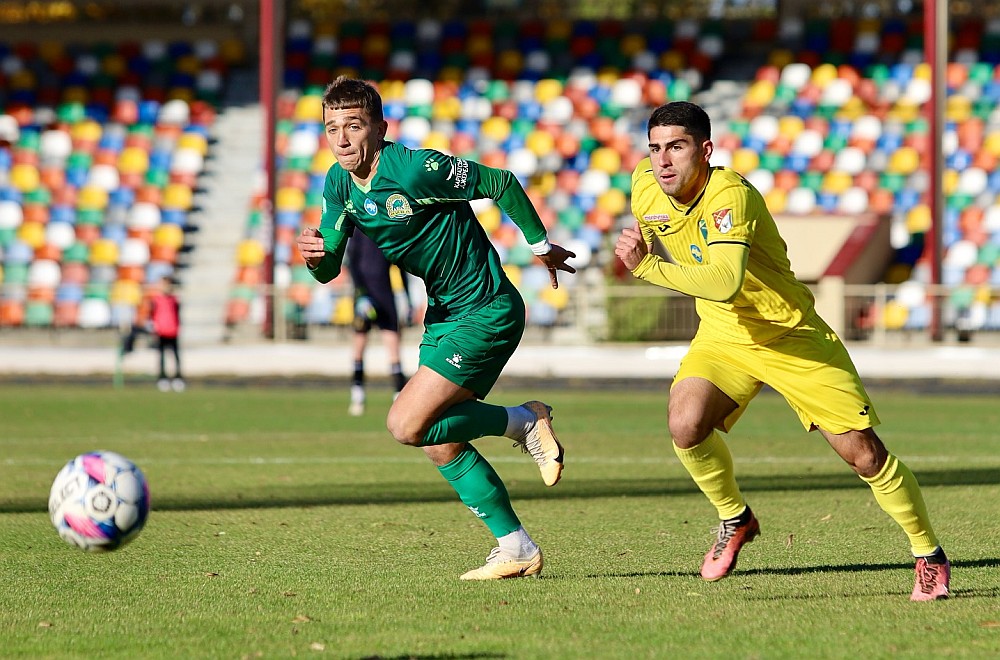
358,342
178,382
428,396
387,319
815,373
472,353
162,382
710,393
898,494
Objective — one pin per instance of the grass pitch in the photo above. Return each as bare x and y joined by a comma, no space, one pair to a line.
282,527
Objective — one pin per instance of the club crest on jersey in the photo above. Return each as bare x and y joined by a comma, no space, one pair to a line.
696,252
370,207
723,220
398,206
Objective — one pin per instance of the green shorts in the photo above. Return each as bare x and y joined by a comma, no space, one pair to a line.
472,351
809,366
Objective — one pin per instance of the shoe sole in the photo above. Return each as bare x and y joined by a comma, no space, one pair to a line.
535,572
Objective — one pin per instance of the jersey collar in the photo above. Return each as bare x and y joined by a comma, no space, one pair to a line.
686,209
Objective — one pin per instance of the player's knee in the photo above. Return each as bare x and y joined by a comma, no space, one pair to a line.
403,428
868,455
687,429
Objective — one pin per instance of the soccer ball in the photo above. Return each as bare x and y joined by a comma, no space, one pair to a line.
99,501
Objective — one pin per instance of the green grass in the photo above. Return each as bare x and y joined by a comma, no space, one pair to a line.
282,527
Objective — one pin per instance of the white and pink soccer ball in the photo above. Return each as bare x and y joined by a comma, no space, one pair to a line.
99,501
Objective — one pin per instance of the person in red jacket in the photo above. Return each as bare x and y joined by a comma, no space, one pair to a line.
165,323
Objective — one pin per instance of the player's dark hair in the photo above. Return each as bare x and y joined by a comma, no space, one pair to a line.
689,116
348,93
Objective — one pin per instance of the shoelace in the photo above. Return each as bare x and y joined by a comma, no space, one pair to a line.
495,556
927,576
727,528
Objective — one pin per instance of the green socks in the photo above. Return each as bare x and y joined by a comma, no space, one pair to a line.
467,421
480,488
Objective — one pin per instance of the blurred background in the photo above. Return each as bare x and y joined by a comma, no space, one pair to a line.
143,139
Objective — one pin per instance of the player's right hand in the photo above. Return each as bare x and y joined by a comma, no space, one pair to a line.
310,244
631,248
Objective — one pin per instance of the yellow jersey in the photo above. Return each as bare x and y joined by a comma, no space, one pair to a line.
770,302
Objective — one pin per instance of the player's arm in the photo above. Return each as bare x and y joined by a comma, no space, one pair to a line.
720,280
323,249
504,188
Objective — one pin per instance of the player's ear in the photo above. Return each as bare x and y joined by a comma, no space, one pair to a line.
708,147
383,128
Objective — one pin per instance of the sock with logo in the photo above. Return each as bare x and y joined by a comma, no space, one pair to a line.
711,466
898,493
480,488
467,421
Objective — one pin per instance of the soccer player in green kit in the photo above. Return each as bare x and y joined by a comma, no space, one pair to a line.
414,204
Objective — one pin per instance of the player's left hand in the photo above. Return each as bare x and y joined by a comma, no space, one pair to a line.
555,261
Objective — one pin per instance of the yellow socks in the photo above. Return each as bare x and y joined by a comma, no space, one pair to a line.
898,493
711,466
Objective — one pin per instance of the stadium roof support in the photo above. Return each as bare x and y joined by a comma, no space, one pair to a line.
935,52
272,21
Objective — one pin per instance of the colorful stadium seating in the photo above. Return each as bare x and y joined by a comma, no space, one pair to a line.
100,149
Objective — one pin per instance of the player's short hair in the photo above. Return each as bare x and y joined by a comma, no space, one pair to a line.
689,116
346,93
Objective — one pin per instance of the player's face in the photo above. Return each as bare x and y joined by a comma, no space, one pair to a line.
354,138
680,163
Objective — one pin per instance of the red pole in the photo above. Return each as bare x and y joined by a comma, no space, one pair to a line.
935,52
270,77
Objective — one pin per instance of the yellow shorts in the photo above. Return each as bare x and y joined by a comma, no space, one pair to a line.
810,367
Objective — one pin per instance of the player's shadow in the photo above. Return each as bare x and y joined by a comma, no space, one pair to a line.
395,492
980,592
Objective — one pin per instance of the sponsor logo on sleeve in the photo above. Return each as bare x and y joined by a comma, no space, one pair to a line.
696,253
723,220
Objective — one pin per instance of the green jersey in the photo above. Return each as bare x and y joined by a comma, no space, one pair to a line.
416,209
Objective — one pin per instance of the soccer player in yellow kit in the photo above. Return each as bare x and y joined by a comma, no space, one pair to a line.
758,326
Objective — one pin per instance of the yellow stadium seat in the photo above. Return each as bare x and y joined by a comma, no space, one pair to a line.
168,235
918,219
547,90
126,292
92,197
513,274
343,311
612,201
24,177
894,315
437,140
540,143
309,107
289,199
490,218
447,109
558,298
250,253
496,129
194,142
103,252
177,196
606,159
133,160
32,234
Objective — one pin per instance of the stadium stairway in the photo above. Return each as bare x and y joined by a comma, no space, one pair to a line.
229,183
